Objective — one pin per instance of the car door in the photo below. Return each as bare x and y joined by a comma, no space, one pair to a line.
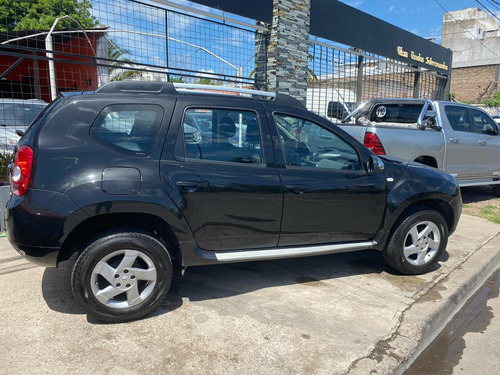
488,143
463,148
328,195
223,176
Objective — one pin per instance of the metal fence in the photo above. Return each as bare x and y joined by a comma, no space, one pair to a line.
86,44
339,79
93,42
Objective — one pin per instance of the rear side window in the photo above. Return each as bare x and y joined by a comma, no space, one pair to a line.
227,135
458,118
130,128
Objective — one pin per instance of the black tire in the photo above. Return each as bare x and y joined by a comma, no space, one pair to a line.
140,294
496,189
394,252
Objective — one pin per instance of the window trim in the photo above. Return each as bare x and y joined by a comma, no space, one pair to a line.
158,108
360,171
182,140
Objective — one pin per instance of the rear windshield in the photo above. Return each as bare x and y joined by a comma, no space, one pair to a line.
400,113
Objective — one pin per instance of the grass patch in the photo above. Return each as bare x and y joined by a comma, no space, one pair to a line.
491,213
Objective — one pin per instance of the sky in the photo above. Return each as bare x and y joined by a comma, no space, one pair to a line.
201,45
421,17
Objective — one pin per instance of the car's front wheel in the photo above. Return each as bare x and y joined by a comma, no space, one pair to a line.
417,243
122,275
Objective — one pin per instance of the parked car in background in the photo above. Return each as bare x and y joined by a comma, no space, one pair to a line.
177,183
456,138
331,103
16,114
497,118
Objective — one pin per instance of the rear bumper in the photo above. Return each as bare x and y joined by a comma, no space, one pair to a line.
38,223
41,256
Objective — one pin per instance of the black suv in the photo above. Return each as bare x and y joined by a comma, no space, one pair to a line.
138,177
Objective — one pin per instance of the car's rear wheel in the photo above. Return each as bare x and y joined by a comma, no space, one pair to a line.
417,243
122,275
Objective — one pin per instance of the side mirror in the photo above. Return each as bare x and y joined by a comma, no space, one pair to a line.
375,165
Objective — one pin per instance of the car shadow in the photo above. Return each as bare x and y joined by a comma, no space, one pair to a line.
226,280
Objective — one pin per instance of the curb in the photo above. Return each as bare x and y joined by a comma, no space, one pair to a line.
424,319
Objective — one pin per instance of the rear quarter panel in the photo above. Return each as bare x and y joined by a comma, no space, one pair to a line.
411,143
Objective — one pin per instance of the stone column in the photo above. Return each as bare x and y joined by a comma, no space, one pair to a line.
261,43
288,48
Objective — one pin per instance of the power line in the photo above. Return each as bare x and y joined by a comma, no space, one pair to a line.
487,9
492,3
466,29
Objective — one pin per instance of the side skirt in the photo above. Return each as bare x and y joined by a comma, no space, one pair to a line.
286,252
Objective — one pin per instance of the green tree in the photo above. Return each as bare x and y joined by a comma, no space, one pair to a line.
18,15
176,79
494,101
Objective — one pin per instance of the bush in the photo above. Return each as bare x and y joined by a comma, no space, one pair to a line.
494,101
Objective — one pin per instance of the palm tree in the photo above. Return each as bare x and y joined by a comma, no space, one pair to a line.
120,67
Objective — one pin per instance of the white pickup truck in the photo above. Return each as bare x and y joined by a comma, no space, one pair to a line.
456,138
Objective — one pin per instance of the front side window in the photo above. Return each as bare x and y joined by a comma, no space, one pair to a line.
458,118
222,135
130,128
306,144
482,124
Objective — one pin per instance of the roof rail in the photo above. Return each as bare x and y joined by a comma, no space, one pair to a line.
175,88
222,89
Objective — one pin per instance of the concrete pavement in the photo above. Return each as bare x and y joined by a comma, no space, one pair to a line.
332,314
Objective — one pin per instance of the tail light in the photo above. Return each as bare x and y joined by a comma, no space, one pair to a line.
373,143
21,171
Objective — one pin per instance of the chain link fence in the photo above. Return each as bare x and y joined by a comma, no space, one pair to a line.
81,45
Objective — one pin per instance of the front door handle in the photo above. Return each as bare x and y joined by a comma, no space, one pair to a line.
454,140
298,189
481,142
190,186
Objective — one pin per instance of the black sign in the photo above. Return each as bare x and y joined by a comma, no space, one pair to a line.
260,10
336,21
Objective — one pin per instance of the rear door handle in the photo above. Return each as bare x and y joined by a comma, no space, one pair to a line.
298,189
454,140
481,142
191,186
